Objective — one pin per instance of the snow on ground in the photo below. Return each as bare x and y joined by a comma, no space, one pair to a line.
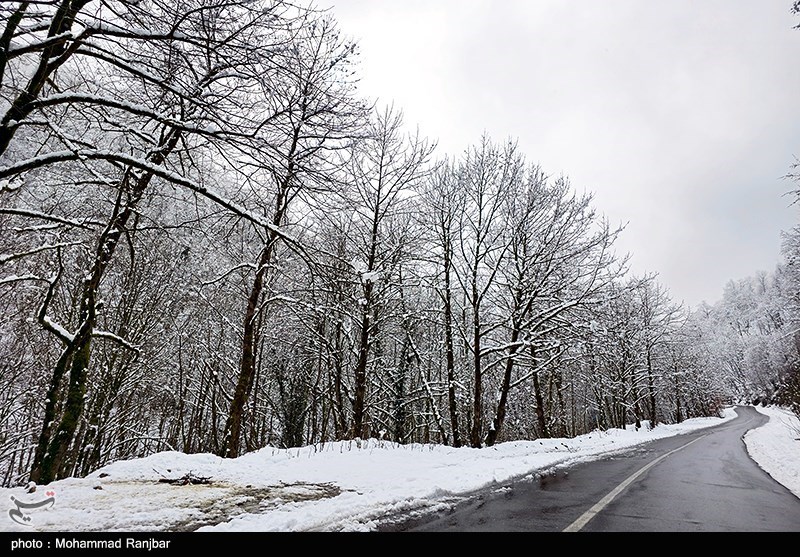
776,447
343,486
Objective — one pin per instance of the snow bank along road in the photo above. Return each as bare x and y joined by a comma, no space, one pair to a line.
701,481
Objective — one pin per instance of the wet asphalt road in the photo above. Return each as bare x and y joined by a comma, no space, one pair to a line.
699,482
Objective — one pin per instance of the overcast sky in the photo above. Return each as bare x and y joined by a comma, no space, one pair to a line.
681,116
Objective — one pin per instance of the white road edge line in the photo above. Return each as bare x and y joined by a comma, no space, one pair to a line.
584,519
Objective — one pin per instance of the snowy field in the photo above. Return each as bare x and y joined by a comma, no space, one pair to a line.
340,486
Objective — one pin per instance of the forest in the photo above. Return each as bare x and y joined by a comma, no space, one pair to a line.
210,241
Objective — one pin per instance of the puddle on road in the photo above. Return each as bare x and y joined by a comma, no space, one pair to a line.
552,479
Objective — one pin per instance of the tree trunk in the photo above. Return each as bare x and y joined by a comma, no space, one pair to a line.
477,402
399,398
247,367
360,387
651,391
637,408
540,413
50,410
450,351
78,353
500,414
54,460
231,440
678,411
340,419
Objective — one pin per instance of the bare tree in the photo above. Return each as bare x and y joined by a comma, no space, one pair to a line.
487,175
318,114
560,259
442,201
383,169
659,319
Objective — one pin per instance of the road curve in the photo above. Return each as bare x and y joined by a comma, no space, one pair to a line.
698,482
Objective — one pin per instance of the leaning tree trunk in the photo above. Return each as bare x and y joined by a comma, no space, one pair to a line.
500,413
50,462
231,441
232,438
